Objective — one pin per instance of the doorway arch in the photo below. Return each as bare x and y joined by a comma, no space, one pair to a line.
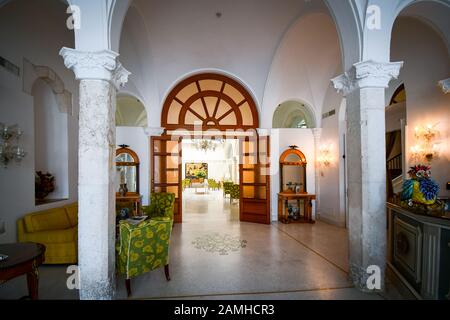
209,101
214,102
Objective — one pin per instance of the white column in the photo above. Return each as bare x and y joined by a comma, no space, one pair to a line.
317,132
364,86
101,74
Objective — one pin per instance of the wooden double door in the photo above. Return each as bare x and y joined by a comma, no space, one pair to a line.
254,175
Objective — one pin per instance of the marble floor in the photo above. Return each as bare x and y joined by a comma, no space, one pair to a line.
214,256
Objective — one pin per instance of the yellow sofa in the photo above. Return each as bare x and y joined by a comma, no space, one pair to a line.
55,228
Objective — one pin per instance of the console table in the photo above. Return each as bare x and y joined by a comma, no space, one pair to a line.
283,214
23,258
136,199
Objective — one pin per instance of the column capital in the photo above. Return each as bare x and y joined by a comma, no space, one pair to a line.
445,85
100,65
367,74
153,131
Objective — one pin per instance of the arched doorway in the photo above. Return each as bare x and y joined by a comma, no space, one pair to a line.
213,106
293,114
212,101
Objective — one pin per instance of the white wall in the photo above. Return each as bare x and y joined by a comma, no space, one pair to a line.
139,142
426,62
51,141
163,41
307,58
222,162
34,30
280,140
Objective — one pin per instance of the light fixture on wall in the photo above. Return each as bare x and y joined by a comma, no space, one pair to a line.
206,144
10,148
325,157
427,146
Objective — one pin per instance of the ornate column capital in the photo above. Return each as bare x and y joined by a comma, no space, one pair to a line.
153,131
367,74
445,85
100,65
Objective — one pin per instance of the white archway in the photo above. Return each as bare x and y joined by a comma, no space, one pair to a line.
294,114
32,73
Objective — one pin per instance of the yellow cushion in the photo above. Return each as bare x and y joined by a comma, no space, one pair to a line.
72,213
61,253
53,236
51,219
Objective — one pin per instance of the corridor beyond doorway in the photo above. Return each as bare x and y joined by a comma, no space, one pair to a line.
207,165
211,207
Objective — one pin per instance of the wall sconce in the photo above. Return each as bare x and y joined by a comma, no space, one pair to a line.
10,148
324,158
426,147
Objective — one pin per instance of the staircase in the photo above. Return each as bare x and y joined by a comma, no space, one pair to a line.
394,173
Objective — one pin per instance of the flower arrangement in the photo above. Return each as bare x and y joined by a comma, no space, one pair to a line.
420,189
44,183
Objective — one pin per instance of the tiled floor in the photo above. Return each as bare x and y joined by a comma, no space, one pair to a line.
277,261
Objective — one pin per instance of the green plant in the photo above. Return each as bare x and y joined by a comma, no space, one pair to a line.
201,174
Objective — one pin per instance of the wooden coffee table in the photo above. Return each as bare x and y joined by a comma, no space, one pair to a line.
23,258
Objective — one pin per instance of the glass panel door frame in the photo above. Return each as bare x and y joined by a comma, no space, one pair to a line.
162,183
254,172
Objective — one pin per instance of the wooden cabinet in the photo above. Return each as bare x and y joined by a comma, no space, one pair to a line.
304,203
294,203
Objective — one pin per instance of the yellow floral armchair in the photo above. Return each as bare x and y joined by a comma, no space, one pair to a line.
161,205
142,248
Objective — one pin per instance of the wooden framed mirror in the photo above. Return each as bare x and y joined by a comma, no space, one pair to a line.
293,171
127,166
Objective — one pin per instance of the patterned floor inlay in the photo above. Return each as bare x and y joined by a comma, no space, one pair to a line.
219,243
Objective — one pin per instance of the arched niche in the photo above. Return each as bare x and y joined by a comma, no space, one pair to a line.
51,152
31,73
293,114
130,112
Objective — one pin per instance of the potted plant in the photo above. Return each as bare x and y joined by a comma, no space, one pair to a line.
201,175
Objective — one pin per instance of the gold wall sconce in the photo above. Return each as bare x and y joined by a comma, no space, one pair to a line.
325,157
427,143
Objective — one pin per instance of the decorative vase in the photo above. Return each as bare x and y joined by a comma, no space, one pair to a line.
123,189
420,189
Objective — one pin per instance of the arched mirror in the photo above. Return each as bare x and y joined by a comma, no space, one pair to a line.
293,171
127,166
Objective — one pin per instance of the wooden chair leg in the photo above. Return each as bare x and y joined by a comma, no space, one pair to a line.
128,285
166,271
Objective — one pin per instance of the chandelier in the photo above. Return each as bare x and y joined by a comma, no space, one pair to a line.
10,148
206,145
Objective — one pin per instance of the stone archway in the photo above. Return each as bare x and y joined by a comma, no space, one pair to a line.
31,73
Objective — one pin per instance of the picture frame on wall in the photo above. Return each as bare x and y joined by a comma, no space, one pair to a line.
196,171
